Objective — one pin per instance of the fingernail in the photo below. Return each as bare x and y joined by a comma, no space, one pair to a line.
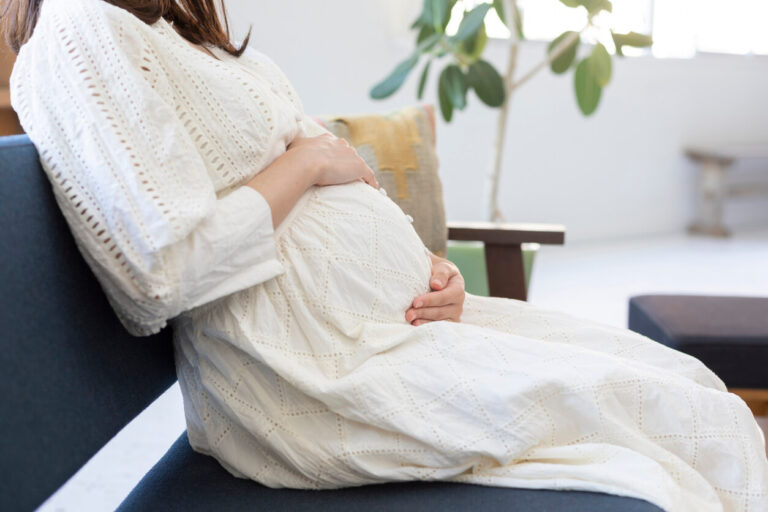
418,304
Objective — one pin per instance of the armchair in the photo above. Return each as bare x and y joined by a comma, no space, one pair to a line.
72,377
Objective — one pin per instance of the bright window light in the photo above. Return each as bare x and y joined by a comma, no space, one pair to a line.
547,19
493,25
680,28
732,26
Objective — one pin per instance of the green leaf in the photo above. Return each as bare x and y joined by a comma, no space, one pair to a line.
392,83
565,60
474,46
446,106
452,80
435,12
600,65
518,21
632,39
428,43
595,6
498,5
588,91
448,11
425,32
487,83
423,79
592,6
471,22
606,6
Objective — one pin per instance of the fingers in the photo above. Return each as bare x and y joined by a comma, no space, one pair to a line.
367,175
436,299
370,179
442,273
452,313
453,293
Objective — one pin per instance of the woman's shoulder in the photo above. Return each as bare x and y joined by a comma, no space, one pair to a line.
59,18
256,57
76,34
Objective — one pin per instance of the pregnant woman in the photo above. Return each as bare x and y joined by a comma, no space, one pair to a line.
300,296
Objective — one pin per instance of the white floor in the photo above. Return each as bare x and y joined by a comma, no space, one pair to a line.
591,280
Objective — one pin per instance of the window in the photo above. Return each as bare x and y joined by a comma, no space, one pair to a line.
684,27
680,28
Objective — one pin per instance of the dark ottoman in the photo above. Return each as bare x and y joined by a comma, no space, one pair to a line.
728,334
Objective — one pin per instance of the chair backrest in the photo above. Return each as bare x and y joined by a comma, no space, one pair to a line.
71,376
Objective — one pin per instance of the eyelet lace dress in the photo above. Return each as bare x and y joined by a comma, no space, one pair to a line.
297,366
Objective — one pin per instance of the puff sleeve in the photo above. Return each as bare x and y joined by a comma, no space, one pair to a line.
308,126
127,175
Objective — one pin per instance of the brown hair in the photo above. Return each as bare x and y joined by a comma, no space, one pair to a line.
198,21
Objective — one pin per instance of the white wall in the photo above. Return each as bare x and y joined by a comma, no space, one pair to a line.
618,173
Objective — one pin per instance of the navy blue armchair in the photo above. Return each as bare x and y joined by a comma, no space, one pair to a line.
72,378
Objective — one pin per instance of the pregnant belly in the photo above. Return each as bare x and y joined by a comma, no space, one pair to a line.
352,255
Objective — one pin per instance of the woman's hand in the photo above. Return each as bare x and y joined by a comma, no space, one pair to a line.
332,159
309,161
446,301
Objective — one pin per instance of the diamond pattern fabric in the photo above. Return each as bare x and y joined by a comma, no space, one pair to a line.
296,364
314,380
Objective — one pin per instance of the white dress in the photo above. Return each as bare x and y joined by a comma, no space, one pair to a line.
296,363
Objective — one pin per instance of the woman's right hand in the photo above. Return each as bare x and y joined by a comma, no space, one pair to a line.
309,161
333,160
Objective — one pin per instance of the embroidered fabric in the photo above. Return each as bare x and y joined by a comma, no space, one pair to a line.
297,366
147,145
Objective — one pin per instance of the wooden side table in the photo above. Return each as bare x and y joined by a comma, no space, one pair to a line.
713,189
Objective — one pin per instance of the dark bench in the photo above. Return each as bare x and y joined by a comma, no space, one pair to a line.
72,378
728,334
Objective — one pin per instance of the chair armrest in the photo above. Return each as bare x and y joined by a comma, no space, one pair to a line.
503,251
504,233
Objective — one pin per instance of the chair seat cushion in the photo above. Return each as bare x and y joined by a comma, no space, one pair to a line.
728,334
187,481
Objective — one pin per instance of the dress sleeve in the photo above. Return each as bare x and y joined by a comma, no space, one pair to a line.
127,175
309,127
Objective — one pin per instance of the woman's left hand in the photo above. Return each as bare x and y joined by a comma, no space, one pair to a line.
445,301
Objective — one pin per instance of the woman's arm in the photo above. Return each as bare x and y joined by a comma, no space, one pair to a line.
130,180
323,160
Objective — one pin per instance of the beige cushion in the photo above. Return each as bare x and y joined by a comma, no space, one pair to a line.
400,148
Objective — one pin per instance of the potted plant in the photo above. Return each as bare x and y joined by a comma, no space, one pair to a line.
464,68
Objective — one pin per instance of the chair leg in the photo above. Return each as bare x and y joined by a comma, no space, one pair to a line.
506,273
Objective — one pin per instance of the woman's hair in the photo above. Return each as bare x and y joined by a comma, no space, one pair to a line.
198,21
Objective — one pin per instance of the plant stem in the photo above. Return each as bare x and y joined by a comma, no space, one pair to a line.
494,212
510,85
556,52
